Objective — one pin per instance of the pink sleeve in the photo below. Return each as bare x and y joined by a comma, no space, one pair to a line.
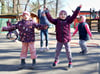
75,30
88,30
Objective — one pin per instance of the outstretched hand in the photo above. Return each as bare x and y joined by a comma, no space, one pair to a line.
39,6
91,38
72,35
45,7
80,6
46,27
1,30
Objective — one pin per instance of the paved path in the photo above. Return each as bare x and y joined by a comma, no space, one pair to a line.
82,64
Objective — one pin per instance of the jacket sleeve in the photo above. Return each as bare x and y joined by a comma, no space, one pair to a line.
39,26
39,13
71,19
49,17
88,30
10,28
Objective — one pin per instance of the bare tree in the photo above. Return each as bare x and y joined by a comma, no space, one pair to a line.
56,7
15,6
3,7
26,4
45,3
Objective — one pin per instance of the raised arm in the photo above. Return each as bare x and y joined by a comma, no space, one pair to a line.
49,17
75,13
39,13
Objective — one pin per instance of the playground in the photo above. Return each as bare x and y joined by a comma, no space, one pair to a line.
10,49
82,64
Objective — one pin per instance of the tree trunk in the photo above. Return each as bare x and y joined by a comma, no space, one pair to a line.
26,5
18,7
3,8
44,3
56,7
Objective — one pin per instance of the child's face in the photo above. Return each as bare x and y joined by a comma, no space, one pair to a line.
63,15
80,19
43,14
26,17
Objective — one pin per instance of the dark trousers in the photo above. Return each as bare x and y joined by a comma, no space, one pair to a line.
42,34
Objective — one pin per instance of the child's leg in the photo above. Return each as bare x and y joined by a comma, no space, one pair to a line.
46,38
23,54
24,50
41,35
68,51
58,49
83,45
32,50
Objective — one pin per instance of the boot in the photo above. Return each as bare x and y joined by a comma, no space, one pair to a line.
22,63
55,63
33,63
70,65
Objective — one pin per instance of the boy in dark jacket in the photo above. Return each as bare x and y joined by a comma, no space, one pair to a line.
84,33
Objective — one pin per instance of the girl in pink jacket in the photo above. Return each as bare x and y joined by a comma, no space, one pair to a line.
27,36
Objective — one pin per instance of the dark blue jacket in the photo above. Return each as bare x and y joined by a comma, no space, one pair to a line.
83,35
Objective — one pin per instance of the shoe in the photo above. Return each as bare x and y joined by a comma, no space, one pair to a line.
33,63
41,49
83,52
22,65
47,49
70,65
55,63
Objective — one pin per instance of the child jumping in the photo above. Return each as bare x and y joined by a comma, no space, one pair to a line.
63,34
44,32
84,33
27,36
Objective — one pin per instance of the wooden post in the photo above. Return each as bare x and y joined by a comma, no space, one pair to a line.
99,22
90,19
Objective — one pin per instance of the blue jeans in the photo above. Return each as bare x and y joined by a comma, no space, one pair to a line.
42,34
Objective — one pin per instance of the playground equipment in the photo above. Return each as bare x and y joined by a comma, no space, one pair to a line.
92,18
